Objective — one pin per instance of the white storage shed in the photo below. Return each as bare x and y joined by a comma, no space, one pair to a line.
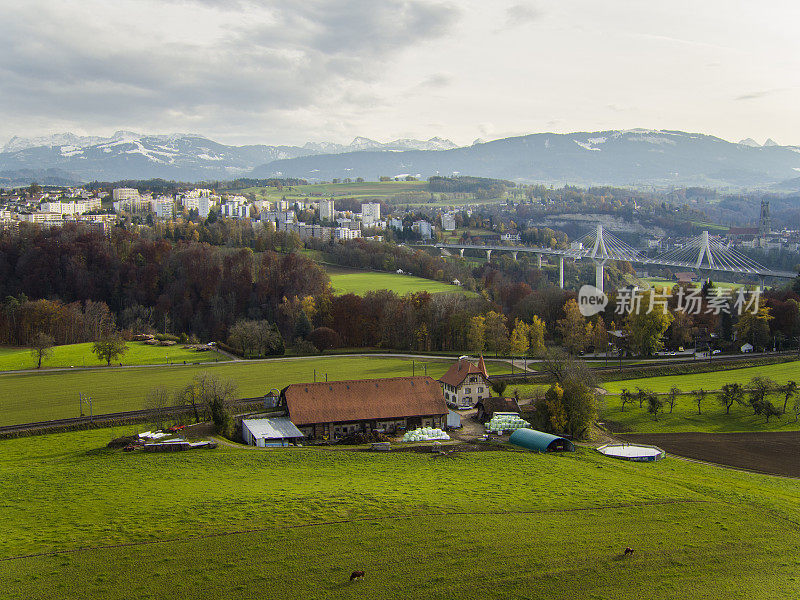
272,432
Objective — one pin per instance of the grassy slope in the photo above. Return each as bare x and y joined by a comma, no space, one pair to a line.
27,397
368,189
80,355
684,416
709,381
363,282
694,527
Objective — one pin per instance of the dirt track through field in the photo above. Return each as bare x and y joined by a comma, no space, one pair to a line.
359,520
773,453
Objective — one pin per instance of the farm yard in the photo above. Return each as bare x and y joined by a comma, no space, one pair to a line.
415,524
40,396
81,355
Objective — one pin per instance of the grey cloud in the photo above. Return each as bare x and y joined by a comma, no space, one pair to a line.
521,14
436,81
292,57
756,95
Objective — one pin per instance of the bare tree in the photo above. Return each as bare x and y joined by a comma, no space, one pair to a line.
789,390
699,396
41,347
730,394
672,397
759,387
158,400
626,398
212,396
654,404
562,366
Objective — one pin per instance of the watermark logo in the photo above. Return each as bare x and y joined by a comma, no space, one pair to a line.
591,300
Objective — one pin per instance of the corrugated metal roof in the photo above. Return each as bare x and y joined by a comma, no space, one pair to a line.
273,428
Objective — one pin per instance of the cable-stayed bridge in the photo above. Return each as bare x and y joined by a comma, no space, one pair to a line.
702,253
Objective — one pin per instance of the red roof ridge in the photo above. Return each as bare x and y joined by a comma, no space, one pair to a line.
395,397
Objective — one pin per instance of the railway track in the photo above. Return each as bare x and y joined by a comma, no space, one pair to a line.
130,416
147,414
611,368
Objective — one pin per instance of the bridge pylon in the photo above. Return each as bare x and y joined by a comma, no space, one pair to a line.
600,255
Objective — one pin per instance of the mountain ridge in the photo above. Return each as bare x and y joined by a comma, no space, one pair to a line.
631,157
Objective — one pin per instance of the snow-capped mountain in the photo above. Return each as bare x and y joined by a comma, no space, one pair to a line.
362,143
181,156
624,157
750,142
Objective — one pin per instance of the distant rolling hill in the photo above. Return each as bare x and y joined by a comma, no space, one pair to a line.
633,157
180,156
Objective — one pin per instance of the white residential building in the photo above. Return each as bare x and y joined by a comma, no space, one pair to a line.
236,207
202,204
424,229
326,210
370,213
466,383
45,218
345,233
164,207
448,222
121,194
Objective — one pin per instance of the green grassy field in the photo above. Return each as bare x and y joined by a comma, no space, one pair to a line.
360,282
40,396
710,381
246,522
368,189
684,416
80,355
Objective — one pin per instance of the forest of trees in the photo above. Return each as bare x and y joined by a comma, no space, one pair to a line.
77,284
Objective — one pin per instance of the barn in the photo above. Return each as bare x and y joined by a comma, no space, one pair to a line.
539,441
332,410
488,406
272,432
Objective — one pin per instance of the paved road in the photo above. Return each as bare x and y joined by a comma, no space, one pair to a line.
518,363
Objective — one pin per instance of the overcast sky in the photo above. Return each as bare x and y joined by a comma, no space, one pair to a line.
312,70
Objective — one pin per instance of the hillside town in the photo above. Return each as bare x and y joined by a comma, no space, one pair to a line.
316,216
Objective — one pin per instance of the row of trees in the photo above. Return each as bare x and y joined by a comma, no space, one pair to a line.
755,396
208,395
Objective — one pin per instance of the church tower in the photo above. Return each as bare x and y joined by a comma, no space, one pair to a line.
764,224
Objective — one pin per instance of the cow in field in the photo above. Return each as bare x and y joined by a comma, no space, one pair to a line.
356,575
628,551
